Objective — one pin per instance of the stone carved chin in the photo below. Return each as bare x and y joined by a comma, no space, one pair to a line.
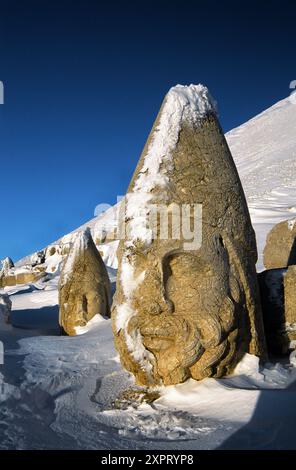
185,348
175,343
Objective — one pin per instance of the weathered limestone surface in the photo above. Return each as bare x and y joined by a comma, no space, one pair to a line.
280,248
187,312
84,289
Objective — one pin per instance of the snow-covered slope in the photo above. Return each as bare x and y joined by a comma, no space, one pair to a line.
264,150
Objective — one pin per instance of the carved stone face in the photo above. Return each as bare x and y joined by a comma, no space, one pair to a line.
188,332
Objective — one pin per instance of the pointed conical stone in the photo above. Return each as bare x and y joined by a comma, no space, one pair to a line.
84,288
186,306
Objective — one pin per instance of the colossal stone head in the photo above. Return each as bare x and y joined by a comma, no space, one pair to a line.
186,303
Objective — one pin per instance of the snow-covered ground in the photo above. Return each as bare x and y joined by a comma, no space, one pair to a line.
57,392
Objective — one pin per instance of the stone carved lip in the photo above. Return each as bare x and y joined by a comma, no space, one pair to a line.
158,337
157,343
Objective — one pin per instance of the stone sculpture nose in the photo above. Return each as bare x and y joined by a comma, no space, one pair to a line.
158,301
164,306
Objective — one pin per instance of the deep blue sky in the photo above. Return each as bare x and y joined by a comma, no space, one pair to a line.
84,80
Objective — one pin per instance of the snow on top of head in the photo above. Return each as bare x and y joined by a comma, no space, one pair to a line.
85,237
188,104
182,103
195,100
81,243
